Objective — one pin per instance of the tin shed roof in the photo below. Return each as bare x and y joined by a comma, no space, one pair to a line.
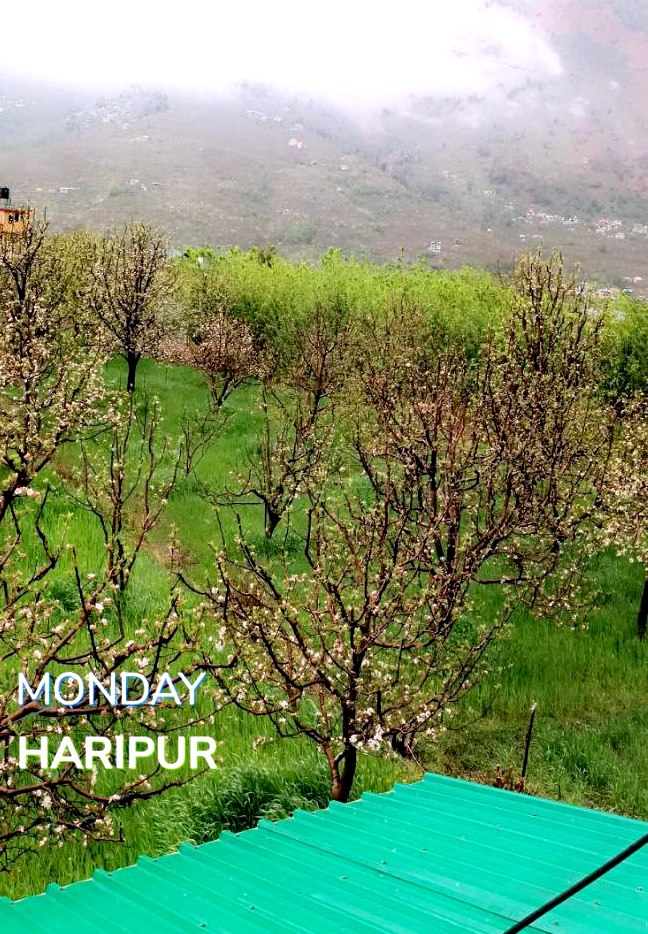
441,855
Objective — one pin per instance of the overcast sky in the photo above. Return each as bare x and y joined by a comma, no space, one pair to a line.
352,50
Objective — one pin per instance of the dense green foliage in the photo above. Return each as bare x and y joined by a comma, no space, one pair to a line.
274,295
627,363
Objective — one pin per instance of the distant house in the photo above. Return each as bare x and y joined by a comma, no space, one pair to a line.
13,220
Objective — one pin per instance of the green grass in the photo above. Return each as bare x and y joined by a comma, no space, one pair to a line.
590,685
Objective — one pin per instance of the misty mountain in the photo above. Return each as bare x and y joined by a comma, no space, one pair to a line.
555,156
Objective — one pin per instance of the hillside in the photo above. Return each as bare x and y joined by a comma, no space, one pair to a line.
559,159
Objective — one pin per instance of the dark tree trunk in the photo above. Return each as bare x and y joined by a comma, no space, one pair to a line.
642,616
132,359
271,522
342,782
403,745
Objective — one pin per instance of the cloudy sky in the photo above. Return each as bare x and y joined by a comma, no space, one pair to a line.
353,50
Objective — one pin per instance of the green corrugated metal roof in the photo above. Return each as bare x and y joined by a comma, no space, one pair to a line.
441,855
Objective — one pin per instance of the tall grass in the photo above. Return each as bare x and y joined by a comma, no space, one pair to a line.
589,745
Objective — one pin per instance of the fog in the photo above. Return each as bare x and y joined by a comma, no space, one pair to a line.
356,54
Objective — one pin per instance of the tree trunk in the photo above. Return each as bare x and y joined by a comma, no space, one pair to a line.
272,520
132,359
342,783
403,744
642,616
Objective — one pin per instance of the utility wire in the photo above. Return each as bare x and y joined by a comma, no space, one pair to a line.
578,886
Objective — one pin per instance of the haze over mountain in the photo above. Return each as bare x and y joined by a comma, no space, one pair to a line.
527,126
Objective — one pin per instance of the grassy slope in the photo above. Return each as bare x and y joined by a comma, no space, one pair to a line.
589,684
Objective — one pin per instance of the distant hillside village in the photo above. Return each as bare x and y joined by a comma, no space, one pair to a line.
263,169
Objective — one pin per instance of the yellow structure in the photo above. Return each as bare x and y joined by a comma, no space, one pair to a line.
13,220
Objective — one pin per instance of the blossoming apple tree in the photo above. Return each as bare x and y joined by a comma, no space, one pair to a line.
452,475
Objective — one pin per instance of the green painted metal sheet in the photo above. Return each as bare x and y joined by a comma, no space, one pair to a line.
441,855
